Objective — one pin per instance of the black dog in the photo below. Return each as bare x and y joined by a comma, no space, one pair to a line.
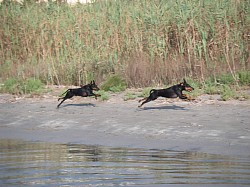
171,92
84,91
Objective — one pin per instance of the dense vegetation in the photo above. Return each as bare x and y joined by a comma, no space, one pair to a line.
144,42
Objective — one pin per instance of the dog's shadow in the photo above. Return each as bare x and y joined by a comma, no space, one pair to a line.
79,105
172,107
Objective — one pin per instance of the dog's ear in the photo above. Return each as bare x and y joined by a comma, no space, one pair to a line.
184,81
93,81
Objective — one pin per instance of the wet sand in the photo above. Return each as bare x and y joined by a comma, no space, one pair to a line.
205,125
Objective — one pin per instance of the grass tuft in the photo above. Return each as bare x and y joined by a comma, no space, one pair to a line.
244,78
16,86
104,95
114,84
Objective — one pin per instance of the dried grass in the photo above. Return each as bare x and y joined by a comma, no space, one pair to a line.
147,42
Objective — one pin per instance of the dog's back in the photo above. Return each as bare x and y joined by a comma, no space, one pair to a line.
171,92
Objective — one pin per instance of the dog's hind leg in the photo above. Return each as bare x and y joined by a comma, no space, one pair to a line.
142,99
67,96
61,103
153,96
145,100
60,98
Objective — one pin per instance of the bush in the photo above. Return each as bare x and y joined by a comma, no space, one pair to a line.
225,85
15,86
130,96
244,77
228,93
114,84
31,86
104,95
11,86
225,79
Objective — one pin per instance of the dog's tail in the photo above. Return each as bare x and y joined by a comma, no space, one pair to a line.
65,92
152,91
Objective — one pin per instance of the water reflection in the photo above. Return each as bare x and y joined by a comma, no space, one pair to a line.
38,163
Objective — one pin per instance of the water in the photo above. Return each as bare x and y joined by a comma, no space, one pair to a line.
47,164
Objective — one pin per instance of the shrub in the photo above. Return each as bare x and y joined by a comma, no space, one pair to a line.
225,79
104,95
244,77
228,93
11,86
130,96
114,84
16,86
31,86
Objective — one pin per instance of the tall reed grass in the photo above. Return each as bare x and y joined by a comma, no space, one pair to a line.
146,42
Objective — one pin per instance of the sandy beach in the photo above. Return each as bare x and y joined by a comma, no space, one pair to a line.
204,125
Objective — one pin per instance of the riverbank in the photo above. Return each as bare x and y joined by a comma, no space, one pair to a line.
204,125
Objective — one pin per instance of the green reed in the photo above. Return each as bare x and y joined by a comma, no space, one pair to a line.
146,42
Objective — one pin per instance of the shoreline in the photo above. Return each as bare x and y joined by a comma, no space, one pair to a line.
208,126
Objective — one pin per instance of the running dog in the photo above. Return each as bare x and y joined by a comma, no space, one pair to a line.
83,91
171,92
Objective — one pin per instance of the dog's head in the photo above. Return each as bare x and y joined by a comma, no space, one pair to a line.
185,86
93,86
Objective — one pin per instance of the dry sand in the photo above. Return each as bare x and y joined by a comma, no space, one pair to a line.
204,125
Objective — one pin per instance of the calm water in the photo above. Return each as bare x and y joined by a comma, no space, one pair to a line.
47,164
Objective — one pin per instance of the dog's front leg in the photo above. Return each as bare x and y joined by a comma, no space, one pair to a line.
181,95
187,98
97,95
93,94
